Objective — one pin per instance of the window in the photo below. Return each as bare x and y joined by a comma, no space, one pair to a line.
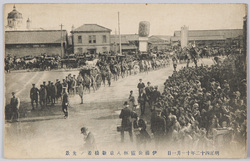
79,39
104,39
90,39
94,39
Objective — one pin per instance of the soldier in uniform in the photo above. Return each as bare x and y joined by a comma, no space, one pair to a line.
58,90
158,127
53,93
65,103
140,87
34,96
42,96
65,84
14,104
126,116
48,92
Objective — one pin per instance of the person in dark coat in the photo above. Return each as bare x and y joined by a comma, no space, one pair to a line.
34,96
42,96
58,90
158,127
65,103
143,137
126,115
14,104
140,87
89,139
53,93
142,100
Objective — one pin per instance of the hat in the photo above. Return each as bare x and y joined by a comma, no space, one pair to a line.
33,84
13,93
125,103
83,130
44,81
57,79
148,83
156,87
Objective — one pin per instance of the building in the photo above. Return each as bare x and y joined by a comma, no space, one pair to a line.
91,38
159,42
35,42
126,45
202,38
15,19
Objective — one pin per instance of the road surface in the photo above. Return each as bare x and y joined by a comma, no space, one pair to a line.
48,134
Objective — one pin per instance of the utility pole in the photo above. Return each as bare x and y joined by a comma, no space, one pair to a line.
119,33
61,42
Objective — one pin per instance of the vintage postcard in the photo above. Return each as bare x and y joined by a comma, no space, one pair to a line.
125,81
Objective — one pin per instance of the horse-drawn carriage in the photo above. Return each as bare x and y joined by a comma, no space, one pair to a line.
91,77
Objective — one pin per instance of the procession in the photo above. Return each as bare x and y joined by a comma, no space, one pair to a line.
117,93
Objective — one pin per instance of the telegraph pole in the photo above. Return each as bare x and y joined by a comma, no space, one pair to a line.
61,42
119,33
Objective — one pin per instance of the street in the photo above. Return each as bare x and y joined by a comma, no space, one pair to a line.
47,134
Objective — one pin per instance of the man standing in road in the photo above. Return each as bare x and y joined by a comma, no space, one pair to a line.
65,103
125,115
53,93
43,96
89,139
58,89
34,96
14,104
80,91
140,87
158,127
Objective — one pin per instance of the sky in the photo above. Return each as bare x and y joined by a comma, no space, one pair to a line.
164,18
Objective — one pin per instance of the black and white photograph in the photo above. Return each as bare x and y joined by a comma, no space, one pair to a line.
125,80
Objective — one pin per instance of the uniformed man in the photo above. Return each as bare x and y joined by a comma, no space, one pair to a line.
58,90
89,139
65,84
42,96
53,93
65,103
148,91
34,96
158,127
140,86
126,116
14,104
48,92
155,95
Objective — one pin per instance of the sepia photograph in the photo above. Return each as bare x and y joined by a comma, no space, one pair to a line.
125,80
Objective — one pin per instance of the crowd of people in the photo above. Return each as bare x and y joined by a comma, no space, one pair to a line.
43,62
201,107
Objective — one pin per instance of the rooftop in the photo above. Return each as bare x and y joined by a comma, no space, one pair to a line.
34,36
92,28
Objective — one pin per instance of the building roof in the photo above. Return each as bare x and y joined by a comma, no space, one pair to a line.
159,38
34,36
15,14
227,33
92,28
194,35
131,37
115,39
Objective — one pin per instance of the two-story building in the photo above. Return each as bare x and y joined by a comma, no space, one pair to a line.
91,38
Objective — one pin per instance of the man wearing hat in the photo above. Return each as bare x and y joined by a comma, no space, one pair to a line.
155,96
88,138
140,87
34,96
65,103
14,104
53,93
58,89
158,127
42,96
126,125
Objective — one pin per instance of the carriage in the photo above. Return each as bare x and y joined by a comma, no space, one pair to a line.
91,77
